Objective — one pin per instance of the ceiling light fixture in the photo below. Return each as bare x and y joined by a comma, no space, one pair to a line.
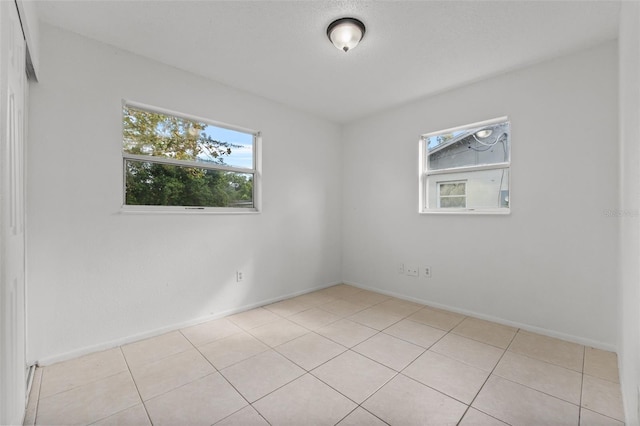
484,133
345,33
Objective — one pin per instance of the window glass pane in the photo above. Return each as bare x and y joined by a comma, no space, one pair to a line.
469,147
504,198
452,188
453,202
436,141
160,135
483,189
153,184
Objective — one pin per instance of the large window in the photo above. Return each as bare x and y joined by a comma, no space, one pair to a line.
174,162
466,169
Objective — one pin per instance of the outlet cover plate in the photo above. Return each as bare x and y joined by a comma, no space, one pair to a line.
426,271
412,271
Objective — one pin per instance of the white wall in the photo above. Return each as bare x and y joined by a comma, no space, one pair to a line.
31,31
629,344
97,276
552,264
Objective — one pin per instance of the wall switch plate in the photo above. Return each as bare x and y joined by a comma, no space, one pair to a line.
412,271
426,271
239,276
401,268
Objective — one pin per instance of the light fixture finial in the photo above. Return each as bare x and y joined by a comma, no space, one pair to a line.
346,33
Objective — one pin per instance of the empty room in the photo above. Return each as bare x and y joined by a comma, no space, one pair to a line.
319,212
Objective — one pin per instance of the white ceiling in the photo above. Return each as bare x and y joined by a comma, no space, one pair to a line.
279,50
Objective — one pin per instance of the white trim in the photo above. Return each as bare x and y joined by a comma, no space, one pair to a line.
185,163
503,211
129,209
468,169
543,331
177,326
165,111
257,175
466,126
422,177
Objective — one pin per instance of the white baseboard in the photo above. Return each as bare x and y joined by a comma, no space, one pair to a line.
158,331
550,333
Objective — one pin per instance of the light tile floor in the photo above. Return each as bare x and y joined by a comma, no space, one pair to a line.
337,356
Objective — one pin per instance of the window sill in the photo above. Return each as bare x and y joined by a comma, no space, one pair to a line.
466,211
186,210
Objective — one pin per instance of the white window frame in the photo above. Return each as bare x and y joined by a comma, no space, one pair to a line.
425,173
256,171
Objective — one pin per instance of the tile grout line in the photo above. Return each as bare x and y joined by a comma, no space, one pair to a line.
346,415
243,408
193,347
438,328
487,379
354,410
136,385
319,365
242,360
584,361
447,332
598,378
249,404
356,323
360,406
426,350
343,300
269,348
355,402
309,372
84,384
553,364
435,389
397,373
605,415
208,342
162,358
35,417
579,405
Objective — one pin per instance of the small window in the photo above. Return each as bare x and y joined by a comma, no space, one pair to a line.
179,163
466,169
452,195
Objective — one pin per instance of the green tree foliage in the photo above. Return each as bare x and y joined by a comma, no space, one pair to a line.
155,184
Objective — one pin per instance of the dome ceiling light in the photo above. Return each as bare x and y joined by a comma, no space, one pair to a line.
345,33
484,133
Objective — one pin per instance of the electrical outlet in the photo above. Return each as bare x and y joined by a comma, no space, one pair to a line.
426,271
401,268
412,271
239,276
